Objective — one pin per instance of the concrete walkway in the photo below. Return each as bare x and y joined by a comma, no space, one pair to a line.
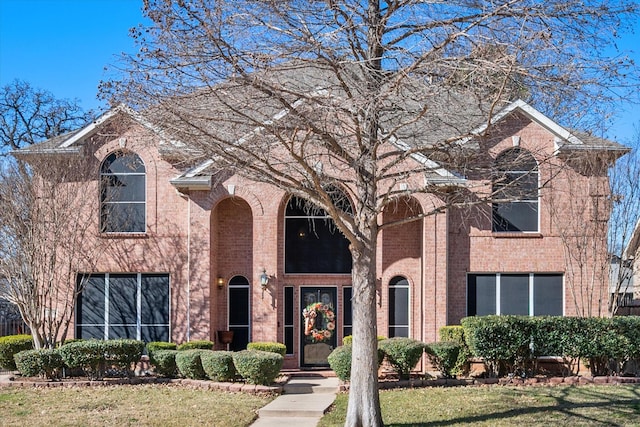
303,403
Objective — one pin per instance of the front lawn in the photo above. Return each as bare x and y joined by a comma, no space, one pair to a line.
139,405
504,406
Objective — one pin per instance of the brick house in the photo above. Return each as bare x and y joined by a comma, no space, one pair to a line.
193,254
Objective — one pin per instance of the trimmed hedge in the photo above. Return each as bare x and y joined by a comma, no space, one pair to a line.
123,353
402,353
12,345
273,347
340,362
218,365
443,356
511,344
455,333
348,340
160,345
258,367
164,363
86,355
44,362
196,345
189,363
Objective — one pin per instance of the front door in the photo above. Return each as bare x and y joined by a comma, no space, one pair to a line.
318,317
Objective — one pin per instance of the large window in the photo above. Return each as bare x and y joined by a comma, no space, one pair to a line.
515,191
122,194
398,307
313,244
518,294
132,306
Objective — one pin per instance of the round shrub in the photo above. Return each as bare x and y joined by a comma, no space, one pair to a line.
10,346
160,345
44,362
403,354
455,333
218,365
340,362
190,365
164,362
443,356
196,345
122,353
258,367
87,355
348,340
273,347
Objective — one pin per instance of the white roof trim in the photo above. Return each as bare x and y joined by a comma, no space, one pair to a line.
534,115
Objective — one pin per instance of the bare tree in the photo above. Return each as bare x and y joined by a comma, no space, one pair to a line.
29,115
42,223
368,95
623,226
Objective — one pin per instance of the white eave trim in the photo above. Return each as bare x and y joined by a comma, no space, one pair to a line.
533,114
192,183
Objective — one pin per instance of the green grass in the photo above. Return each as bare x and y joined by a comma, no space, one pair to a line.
504,406
144,405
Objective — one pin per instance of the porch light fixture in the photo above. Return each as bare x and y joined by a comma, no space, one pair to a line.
264,279
220,282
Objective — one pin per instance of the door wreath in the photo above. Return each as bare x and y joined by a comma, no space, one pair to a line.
319,322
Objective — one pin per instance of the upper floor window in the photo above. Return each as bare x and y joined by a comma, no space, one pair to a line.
122,194
515,191
313,244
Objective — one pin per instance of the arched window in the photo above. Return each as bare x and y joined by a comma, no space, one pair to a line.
122,194
398,307
313,244
515,192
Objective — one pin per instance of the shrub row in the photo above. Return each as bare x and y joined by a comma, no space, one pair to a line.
512,344
93,357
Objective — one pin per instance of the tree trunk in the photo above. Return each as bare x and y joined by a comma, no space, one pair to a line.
364,401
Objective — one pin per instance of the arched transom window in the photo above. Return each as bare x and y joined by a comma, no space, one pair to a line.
122,194
515,192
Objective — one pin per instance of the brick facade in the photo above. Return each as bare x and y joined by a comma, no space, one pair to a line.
237,229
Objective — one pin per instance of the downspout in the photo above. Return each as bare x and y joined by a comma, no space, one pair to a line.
188,268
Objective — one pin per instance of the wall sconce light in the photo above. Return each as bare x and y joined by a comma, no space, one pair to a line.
264,279
220,282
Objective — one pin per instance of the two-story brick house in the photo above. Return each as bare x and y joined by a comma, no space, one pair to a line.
195,253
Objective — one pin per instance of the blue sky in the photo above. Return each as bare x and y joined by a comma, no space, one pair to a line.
63,46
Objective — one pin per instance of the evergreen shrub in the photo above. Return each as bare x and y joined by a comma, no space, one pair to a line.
11,345
196,345
443,356
258,367
189,363
218,365
402,353
273,347
45,362
164,363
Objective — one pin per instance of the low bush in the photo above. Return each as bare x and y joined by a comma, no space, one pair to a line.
504,342
196,345
164,363
160,345
190,365
46,363
402,353
86,355
348,340
121,354
273,347
218,365
455,333
443,356
12,345
340,362
258,367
